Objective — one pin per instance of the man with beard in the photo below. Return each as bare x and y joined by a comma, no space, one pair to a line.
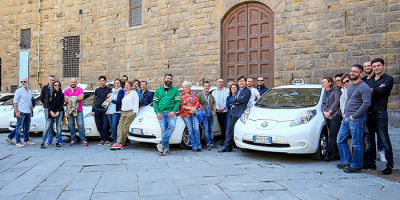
166,103
73,101
254,93
22,108
368,71
99,113
123,80
358,101
380,87
220,95
260,86
239,104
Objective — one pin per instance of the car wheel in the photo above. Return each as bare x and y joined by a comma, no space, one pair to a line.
322,145
185,143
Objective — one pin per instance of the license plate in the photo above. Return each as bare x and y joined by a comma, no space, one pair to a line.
262,139
137,131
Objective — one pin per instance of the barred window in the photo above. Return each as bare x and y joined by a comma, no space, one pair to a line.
25,42
135,12
14,88
71,53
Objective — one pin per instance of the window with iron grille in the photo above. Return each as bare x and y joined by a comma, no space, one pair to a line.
71,53
14,88
135,12
25,42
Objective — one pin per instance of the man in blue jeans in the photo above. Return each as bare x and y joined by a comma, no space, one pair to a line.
23,106
381,85
166,103
207,101
358,102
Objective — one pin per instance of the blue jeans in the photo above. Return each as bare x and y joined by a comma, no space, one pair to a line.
209,129
81,128
102,121
192,124
114,120
51,132
49,125
378,123
355,128
25,122
167,125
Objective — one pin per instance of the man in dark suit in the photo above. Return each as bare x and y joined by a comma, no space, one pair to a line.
239,104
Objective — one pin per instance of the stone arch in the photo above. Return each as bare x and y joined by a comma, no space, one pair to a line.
223,6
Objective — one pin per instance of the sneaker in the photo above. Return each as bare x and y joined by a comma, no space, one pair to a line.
85,143
30,139
9,140
58,144
369,166
29,143
107,143
342,166
160,148
387,171
50,142
352,170
101,143
61,141
213,146
122,147
19,145
72,143
42,146
382,157
116,146
165,152
208,147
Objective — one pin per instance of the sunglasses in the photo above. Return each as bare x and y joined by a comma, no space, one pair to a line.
337,81
56,85
345,82
260,80
24,81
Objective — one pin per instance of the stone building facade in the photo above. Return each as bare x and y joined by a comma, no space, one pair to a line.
305,39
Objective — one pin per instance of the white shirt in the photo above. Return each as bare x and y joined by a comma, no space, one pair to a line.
23,99
130,102
220,96
254,93
343,99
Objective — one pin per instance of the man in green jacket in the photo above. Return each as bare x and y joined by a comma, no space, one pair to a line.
166,102
207,101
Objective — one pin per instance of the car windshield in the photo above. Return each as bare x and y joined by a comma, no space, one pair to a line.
6,98
290,98
88,99
8,102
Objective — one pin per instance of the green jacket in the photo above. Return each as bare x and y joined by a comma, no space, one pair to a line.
166,101
202,100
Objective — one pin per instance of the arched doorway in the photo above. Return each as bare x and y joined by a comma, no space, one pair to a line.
248,43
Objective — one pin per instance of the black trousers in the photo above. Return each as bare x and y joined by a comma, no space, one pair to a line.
101,120
334,126
222,123
229,131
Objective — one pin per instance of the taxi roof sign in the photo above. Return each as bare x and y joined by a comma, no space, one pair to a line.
298,82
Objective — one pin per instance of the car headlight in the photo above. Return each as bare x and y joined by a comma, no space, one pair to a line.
304,117
88,115
244,116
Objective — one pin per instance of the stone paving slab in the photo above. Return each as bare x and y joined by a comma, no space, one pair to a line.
139,172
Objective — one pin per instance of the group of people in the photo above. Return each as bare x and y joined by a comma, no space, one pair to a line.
227,104
356,107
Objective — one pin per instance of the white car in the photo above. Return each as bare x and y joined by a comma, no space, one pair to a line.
145,126
286,119
6,110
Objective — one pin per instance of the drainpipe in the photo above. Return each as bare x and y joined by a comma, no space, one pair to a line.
38,67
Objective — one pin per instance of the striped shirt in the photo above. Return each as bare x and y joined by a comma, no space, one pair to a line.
23,99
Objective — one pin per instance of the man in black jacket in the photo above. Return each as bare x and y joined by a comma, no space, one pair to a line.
99,113
239,104
44,98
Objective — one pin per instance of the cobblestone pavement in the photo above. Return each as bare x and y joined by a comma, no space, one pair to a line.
138,172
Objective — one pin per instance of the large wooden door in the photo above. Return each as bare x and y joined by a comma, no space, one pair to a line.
248,43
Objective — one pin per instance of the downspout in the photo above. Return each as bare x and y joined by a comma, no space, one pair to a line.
38,67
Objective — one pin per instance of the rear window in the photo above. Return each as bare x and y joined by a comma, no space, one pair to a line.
290,98
6,98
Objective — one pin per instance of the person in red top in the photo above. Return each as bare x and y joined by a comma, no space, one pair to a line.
189,105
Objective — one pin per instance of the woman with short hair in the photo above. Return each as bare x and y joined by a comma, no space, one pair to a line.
189,105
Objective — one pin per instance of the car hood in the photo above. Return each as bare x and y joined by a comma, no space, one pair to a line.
258,113
146,111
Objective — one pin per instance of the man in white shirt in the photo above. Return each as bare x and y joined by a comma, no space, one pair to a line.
254,93
220,96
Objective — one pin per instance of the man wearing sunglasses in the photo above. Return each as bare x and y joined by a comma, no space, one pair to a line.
261,86
338,80
22,106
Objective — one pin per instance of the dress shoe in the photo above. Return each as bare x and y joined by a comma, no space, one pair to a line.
225,150
369,166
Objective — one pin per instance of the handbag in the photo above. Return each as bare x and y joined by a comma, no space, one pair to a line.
200,113
105,104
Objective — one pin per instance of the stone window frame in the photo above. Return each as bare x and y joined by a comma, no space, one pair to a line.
25,42
135,13
71,56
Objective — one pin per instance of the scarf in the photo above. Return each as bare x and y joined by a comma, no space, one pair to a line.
112,108
327,93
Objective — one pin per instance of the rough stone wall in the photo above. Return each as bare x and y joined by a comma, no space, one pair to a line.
313,38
